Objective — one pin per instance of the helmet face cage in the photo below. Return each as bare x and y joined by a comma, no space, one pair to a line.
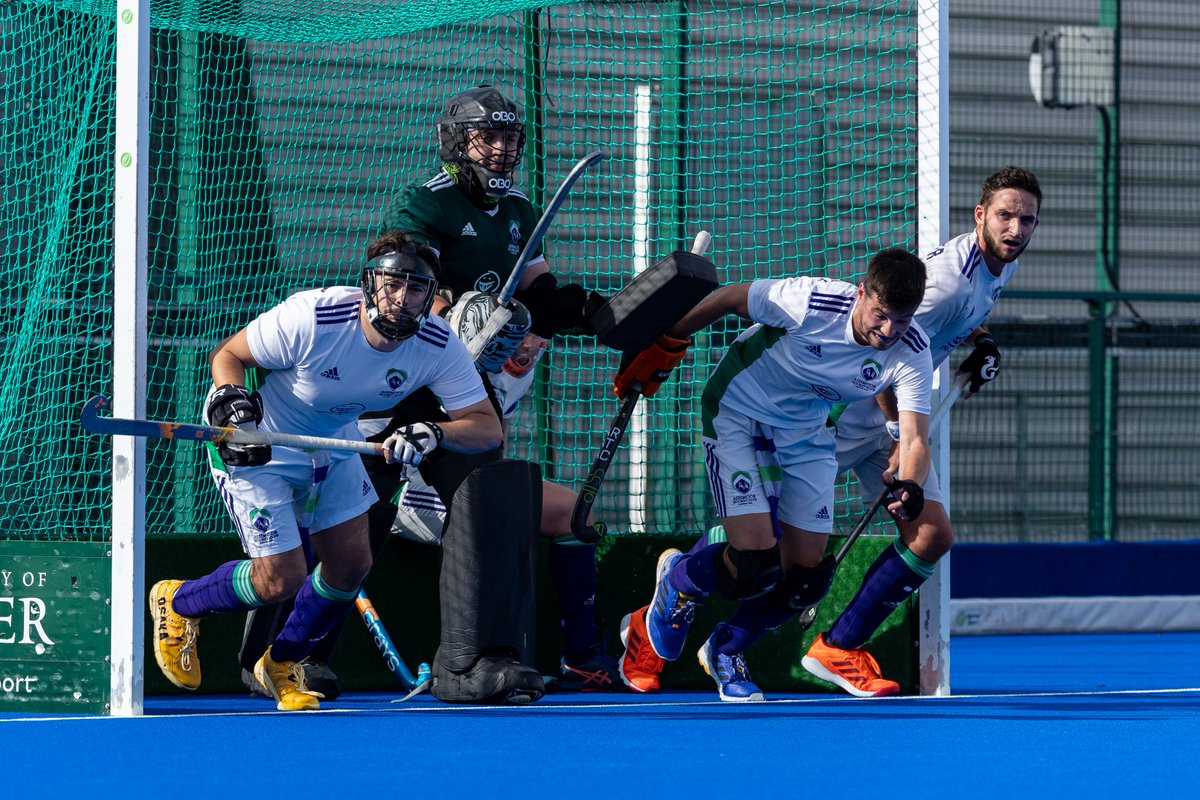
471,313
470,116
396,326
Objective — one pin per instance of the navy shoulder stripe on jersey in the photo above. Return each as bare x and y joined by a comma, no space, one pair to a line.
822,301
973,259
916,342
337,314
434,335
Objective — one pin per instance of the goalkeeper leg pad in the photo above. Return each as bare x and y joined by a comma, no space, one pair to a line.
489,558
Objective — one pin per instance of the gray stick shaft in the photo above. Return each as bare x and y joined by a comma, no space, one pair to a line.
91,420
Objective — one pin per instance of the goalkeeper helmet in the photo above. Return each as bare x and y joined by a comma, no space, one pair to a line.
481,133
405,279
472,312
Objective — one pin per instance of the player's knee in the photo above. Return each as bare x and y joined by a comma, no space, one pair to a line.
933,536
803,586
277,581
755,572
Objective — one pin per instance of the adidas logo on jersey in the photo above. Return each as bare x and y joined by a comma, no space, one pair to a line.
823,513
366,489
815,349
331,374
468,230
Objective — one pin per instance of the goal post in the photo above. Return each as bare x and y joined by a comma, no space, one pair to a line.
195,163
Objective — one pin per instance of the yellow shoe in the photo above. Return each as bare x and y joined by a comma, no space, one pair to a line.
285,681
174,638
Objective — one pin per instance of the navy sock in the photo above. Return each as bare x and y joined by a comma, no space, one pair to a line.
696,573
317,608
573,572
753,619
226,588
888,583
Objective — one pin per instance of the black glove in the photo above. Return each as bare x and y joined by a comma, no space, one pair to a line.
915,503
983,364
558,309
238,407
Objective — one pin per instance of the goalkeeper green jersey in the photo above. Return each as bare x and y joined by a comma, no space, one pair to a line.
478,248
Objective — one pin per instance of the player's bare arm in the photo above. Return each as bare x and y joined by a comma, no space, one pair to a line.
729,299
229,360
473,429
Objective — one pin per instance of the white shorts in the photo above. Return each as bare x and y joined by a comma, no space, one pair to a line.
293,492
754,468
867,458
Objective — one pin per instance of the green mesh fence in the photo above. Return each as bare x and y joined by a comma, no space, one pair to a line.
279,133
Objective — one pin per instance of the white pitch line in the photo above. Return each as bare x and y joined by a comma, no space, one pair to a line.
388,706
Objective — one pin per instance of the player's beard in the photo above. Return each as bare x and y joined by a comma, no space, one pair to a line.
997,249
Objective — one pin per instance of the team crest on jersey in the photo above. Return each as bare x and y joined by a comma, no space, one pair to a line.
870,371
825,392
488,282
514,232
395,379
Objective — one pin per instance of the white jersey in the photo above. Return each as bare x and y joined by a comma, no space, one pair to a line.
801,357
324,373
960,292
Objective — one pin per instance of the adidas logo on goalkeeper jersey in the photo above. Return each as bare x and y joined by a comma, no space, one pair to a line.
468,230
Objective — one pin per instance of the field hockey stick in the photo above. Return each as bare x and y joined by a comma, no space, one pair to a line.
501,314
809,615
616,432
387,649
91,421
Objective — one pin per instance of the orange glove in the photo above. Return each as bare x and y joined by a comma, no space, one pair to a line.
650,367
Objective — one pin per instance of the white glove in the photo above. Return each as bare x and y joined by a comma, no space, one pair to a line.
409,444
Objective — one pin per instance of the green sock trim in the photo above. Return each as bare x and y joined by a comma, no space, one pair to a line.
569,540
243,587
331,592
915,562
716,534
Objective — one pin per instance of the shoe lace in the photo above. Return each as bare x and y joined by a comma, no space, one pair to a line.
191,632
684,610
737,666
296,676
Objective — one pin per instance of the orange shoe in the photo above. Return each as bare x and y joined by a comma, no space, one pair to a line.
856,671
639,666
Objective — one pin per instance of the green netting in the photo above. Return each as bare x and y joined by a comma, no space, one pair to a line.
278,134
